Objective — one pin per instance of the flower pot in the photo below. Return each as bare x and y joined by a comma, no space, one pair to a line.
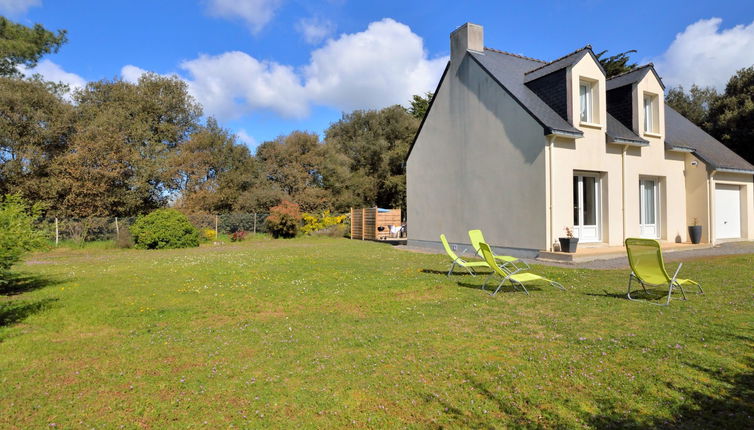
695,233
568,244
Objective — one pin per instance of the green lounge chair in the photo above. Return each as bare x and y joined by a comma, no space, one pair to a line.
647,267
458,261
477,237
517,278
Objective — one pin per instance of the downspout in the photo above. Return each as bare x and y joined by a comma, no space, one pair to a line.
551,236
623,190
710,190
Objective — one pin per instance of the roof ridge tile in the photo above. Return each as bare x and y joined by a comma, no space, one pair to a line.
558,59
513,55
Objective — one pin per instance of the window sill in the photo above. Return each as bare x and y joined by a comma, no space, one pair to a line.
650,134
590,125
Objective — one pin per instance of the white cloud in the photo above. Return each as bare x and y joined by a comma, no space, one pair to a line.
131,73
256,13
245,138
17,7
315,30
232,84
53,72
381,66
706,55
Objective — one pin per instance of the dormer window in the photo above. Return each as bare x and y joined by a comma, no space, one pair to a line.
586,100
651,114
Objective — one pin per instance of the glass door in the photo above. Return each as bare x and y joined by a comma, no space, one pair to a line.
648,208
586,207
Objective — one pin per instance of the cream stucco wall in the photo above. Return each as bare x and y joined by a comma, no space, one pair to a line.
620,173
697,195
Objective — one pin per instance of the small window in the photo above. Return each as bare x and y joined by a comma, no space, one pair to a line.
651,118
585,98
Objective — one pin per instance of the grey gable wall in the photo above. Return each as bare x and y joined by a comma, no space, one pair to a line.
478,162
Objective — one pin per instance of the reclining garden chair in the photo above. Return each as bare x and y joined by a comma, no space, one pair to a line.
517,278
458,261
647,267
476,237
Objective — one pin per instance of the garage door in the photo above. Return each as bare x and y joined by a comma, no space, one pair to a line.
727,211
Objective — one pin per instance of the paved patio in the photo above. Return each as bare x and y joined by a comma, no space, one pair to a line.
610,258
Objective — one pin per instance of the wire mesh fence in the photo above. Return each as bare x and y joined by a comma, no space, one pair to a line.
92,229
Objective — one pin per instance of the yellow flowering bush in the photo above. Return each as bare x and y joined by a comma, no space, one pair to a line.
209,234
314,222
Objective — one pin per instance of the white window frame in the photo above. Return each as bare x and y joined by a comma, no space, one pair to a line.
586,106
648,113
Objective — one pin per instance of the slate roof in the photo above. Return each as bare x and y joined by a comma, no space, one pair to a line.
632,77
509,71
562,62
680,133
619,133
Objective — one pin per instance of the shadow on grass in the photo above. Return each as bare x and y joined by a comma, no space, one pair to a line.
20,283
455,272
463,417
730,409
18,310
652,294
490,288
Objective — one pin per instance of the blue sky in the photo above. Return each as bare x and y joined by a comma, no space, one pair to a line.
268,67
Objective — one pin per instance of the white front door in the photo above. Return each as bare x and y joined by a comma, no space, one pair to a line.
727,211
586,208
648,209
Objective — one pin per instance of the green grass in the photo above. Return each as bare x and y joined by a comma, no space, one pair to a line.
330,332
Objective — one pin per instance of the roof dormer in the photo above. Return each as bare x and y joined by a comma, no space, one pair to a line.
574,87
637,100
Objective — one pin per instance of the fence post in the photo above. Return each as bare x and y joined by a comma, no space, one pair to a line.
117,228
255,223
217,232
57,234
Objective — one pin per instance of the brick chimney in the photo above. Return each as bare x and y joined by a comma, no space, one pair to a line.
468,37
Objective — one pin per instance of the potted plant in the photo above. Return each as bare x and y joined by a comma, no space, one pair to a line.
568,243
695,232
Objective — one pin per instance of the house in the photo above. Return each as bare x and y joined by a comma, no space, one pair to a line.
523,148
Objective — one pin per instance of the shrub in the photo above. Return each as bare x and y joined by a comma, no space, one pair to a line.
283,220
238,236
234,222
313,223
164,228
209,234
17,232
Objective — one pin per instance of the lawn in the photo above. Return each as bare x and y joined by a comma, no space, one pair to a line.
321,332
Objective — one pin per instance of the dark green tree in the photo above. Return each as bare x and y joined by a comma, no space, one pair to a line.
694,105
731,115
375,144
420,104
24,46
616,64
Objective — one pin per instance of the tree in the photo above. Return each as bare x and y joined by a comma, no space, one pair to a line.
211,170
118,162
731,115
291,167
420,104
24,46
35,128
375,143
616,64
694,105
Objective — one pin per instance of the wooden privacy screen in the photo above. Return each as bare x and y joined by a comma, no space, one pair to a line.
366,223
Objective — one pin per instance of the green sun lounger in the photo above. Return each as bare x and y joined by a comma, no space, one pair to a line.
517,278
458,261
648,267
476,237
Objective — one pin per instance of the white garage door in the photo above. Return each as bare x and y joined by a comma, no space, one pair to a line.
727,211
